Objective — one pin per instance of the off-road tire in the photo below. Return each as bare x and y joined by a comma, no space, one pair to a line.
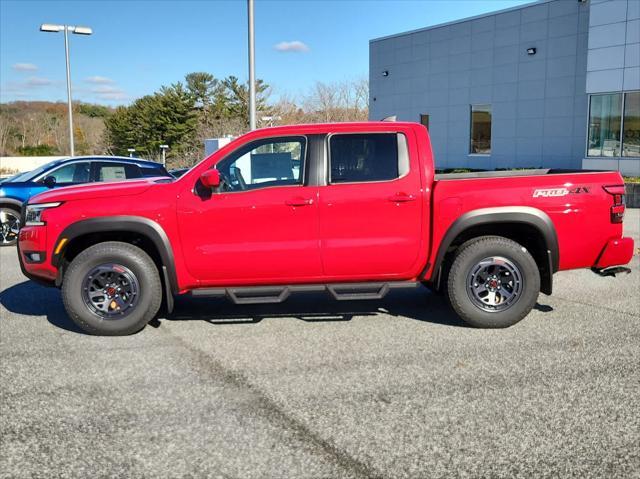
129,256
467,257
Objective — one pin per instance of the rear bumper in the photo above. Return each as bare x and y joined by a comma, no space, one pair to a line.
616,252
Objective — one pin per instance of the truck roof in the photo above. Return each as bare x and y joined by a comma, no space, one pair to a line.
356,127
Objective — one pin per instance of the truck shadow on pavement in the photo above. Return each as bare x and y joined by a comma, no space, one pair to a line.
30,299
419,305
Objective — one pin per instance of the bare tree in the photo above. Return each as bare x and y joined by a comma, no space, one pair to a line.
337,102
5,131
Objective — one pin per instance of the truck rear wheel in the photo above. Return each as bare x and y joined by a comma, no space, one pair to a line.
112,289
493,282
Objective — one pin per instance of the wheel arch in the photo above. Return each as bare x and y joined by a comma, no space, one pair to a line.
528,226
11,203
130,229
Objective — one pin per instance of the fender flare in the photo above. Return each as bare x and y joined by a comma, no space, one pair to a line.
506,214
135,224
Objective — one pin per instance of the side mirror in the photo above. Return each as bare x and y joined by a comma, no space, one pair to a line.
49,181
210,178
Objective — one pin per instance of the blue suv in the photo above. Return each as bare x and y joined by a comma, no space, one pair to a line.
65,172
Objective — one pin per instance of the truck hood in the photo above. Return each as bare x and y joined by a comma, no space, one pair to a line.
96,190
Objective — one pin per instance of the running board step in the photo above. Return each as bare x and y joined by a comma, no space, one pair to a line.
277,294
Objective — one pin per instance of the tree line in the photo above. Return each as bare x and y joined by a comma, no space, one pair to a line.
181,115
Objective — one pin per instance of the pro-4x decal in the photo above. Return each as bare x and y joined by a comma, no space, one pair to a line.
553,192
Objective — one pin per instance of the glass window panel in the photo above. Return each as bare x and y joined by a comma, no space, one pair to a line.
277,162
481,129
631,134
604,125
111,173
72,173
359,158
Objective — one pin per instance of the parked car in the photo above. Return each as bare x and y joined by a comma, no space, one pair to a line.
352,209
178,172
65,172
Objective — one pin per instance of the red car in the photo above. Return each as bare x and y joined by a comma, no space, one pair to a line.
353,209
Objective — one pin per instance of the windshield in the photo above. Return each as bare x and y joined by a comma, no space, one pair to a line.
30,175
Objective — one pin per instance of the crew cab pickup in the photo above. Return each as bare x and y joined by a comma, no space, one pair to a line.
354,209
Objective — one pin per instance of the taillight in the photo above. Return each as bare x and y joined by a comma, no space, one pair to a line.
617,210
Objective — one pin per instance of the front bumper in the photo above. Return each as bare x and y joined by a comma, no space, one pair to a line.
617,252
33,239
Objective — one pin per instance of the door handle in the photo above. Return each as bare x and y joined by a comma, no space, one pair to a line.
299,201
402,198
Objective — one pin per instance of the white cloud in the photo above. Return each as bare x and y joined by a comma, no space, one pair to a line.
109,93
24,67
98,80
295,46
35,82
27,87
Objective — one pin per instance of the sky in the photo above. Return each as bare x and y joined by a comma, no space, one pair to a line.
138,46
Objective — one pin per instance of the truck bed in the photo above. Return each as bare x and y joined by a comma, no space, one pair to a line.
574,200
507,173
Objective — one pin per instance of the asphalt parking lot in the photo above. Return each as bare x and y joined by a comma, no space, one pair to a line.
315,388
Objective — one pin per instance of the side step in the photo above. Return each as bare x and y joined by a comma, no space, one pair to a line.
277,294
611,271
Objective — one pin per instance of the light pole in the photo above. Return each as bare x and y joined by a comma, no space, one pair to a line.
47,27
164,149
131,152
252,68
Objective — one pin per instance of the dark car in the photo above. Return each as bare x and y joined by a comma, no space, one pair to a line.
178,172
65,172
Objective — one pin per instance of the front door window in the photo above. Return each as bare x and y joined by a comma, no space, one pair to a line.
71,173
263,164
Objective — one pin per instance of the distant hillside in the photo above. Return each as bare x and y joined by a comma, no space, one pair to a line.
39,128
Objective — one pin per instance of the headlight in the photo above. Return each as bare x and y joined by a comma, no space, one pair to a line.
33,215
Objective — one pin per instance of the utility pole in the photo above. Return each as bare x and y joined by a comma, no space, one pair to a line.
252,68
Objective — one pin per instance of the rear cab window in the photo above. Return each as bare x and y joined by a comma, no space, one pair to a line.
367,157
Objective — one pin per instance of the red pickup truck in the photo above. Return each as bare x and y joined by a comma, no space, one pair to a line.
354,209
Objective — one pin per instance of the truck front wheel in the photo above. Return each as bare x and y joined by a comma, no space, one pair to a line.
112,289
493,282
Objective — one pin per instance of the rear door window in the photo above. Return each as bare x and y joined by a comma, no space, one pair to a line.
112,171
359,158
153,171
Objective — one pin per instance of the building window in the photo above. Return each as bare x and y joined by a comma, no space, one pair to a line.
614,125
631,125
424,120
480,130
605,119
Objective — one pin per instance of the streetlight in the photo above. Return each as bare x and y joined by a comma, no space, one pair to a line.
131,152
48,27
164,149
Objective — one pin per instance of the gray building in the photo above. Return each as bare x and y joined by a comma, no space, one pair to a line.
555,83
